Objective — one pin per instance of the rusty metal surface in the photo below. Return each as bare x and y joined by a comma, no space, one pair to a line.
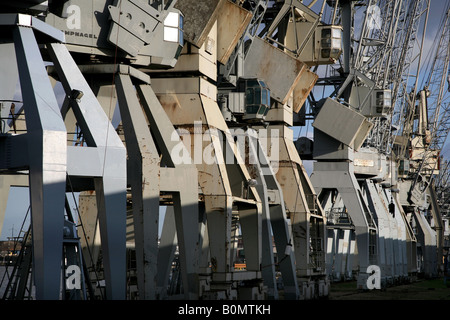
304,86
182,108
199,17
331,118
231,24
280,71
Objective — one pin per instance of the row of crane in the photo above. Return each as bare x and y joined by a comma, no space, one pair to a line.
171,125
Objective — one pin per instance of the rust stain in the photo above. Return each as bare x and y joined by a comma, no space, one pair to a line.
170,103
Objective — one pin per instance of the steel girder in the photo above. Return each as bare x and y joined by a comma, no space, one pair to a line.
103,162
304,211
274,220
45,162
182,181
223,184
149,138
50,161
340,176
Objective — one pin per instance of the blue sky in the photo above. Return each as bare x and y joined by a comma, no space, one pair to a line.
18,202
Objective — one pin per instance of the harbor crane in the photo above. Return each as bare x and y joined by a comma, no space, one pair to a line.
156,138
